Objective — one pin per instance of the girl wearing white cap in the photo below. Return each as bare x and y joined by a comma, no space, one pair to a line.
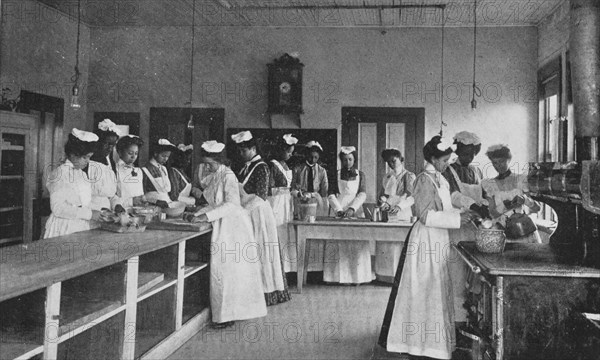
310,183
130,186
156,177
509,189
102,170
236,290
348,262
467,193
281,198
395,197
254,189
420,319
70,189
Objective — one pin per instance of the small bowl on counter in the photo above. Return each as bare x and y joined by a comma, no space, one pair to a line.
175,209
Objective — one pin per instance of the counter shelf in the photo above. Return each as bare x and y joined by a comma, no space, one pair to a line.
127,302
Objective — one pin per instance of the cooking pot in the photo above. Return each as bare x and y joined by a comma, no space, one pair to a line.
519,225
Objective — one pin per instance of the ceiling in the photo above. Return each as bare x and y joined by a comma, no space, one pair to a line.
308,13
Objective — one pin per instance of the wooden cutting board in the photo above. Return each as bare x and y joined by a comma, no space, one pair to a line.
178,225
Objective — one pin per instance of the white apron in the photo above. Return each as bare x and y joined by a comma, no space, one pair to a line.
387,253
423,319
348,262
184,195
458,268
129,186
235,288
162,186
283,210
265,234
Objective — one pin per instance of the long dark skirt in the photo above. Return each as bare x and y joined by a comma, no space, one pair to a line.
387,319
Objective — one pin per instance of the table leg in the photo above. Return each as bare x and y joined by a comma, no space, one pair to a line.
499,298
302,259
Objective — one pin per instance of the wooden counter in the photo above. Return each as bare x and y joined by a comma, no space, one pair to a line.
131,295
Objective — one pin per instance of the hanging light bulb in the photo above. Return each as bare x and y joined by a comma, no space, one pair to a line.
190,124
75,97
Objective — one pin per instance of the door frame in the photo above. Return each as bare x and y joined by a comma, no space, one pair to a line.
414,118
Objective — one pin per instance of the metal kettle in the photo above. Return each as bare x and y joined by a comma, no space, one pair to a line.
519,225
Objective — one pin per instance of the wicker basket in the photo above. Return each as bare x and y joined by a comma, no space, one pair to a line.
490,241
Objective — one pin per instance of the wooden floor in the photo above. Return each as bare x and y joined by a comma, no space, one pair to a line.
324,322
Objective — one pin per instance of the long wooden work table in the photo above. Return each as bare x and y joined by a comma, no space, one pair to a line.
328,228
103,295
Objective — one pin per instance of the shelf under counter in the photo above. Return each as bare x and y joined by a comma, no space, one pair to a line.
521,259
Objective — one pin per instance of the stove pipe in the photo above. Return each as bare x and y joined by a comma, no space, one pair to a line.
584,50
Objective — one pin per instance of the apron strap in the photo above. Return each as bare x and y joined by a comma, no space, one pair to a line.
252,171
157,186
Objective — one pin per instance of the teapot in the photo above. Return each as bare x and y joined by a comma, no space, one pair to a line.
519,225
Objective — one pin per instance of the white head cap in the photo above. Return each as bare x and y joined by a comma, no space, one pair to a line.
84,135
348,149
213,146
314,143
289,139
108,125
241,137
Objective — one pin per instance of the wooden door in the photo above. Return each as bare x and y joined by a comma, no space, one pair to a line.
373,129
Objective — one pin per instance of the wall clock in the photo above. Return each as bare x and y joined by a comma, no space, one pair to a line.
285,86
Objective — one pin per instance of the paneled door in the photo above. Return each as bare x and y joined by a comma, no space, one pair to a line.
373,129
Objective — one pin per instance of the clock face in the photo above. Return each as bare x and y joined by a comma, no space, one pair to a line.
285,87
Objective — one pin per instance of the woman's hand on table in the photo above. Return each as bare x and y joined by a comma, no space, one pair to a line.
349,213
191,217
394,210
139,200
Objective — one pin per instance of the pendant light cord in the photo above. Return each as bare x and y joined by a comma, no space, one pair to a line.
75,77
442,123
476,89
192,58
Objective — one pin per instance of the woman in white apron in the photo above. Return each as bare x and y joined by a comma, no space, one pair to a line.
348,262
281,200
254,189
396,197
236,291
310,183
467,194
181,185
421,322
102,170
70,189
508,187
156,177
130,185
